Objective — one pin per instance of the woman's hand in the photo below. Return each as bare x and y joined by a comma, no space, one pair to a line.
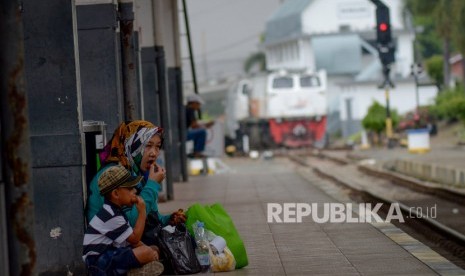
157,173
177,217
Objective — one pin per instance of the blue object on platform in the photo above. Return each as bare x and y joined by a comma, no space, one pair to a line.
417,131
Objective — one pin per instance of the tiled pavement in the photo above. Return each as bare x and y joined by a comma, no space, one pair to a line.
305,248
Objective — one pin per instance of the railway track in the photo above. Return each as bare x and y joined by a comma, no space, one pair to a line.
435,218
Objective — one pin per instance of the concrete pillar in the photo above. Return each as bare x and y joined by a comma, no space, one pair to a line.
139,73
132,100
55,114
100,61
17,245
145,28
167,47
174,67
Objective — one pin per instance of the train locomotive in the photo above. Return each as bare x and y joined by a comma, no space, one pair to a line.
279,109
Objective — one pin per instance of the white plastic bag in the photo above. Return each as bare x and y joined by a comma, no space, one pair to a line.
221,258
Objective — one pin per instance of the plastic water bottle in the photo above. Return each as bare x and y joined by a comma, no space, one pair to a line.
202,247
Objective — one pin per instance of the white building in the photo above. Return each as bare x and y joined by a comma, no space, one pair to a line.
339,36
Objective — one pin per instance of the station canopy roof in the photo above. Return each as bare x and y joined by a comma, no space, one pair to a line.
286,22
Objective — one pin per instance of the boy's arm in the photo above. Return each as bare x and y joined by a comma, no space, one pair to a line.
134,238
150,196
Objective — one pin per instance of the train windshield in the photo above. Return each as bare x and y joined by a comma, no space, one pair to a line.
309,81
283,82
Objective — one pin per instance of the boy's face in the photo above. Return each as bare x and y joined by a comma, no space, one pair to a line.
125,196
151,152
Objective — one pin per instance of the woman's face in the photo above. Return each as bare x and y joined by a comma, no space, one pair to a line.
151,152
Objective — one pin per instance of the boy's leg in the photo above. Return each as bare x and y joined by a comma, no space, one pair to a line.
148,257
92,267
154,247
154,268
116,262
145,254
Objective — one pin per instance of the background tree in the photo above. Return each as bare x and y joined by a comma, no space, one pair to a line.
375,120
450,105
255,59
434,69
428,43
459,30
440,11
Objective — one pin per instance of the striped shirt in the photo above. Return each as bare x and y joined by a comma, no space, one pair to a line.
108,229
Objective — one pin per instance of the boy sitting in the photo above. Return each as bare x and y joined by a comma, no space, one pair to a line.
111,246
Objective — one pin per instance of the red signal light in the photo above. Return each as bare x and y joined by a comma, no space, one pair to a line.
383,27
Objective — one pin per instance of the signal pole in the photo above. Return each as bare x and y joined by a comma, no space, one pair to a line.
386,54
416,69
387,83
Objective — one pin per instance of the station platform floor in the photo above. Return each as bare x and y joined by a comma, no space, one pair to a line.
308,247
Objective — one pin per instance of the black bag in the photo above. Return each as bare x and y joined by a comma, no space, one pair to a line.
151,236
152,229
179,247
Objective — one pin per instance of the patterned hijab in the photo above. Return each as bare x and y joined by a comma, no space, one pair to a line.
128,143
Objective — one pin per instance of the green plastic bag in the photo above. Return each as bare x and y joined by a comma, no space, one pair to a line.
219,222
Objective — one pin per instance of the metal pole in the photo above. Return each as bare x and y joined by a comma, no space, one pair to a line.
388,115
417,96
415,70
131,110
181,124
15,146
165,117
386,84
182,128
191,55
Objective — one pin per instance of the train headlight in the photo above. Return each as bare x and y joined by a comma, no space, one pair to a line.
299,130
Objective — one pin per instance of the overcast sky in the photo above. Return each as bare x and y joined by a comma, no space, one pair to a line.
224,33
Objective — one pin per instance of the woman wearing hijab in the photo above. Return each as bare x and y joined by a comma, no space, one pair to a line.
135,145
